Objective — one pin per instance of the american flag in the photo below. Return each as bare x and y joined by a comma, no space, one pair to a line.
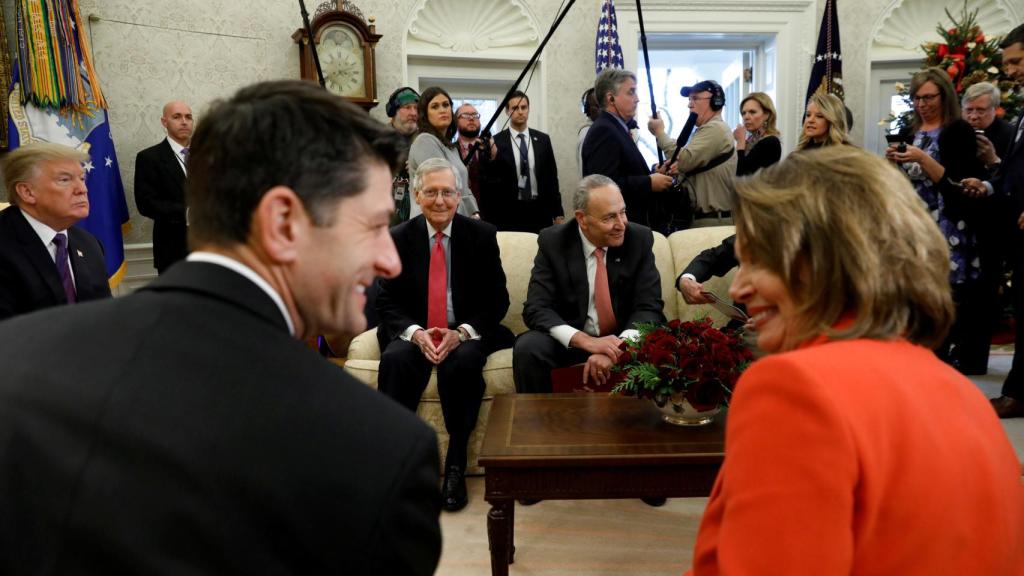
607,52
827,70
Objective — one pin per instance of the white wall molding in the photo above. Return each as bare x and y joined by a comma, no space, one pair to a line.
904,25
502,29
788,20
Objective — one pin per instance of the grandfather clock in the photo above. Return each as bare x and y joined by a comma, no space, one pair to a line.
345,44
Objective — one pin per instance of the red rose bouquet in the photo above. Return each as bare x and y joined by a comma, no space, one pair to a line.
691,359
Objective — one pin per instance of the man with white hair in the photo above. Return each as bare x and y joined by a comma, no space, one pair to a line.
443,311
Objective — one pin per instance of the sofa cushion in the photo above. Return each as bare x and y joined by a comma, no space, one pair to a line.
518,250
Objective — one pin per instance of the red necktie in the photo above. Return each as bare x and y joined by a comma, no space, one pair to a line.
437,291
603,297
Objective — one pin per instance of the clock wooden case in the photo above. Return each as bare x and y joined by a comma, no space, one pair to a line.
345,44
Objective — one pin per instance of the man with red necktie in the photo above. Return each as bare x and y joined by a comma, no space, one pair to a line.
46,260
443,311
593,280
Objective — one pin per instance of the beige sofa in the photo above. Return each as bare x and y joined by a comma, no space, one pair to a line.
518,250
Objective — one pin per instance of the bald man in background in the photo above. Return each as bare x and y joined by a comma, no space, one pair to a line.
160,175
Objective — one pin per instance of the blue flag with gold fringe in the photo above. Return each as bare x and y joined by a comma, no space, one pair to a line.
827,70
55,97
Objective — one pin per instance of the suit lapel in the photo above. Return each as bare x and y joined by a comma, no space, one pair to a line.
171,164
39,256
578,269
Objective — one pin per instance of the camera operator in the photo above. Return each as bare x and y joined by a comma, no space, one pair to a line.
708,161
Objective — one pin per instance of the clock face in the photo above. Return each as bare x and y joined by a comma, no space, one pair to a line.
341,58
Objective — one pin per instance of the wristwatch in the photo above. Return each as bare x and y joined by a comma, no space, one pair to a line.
462,335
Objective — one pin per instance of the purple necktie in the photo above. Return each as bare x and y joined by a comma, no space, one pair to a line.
61,240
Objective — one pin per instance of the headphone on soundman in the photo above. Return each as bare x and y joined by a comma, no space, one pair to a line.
399,98
717,100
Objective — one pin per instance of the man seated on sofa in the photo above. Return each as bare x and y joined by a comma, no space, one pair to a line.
444,310
593,280
717,261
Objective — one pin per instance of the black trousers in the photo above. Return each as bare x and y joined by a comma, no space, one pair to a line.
534,356
405,372
1013,386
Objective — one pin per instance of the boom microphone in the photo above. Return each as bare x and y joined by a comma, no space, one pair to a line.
691,122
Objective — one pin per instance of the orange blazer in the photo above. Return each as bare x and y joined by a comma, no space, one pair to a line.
862,457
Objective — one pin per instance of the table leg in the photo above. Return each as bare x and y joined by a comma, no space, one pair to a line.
499,535
512,532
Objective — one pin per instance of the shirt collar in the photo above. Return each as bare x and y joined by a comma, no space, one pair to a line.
45,233
177,148
588,246
236,266
515,133
430,229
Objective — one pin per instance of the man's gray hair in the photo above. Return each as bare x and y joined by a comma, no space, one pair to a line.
609,81
431,165
582,195
974,91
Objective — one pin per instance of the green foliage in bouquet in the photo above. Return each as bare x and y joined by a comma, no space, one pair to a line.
968,57
693,358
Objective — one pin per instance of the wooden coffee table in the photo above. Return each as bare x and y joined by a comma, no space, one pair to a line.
587,446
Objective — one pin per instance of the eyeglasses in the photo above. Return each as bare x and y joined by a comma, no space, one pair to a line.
925,97
468,116
432,194
699,98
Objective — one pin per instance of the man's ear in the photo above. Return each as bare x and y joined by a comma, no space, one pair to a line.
578,214
25,193
280,222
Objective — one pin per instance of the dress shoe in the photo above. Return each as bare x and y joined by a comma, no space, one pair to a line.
656,502
453,494
1007,407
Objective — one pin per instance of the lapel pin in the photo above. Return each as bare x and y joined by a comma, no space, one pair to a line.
80,255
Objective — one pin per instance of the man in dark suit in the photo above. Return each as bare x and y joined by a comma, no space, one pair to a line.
1009,182
717,261
186,428
593,280
443,311
523,195
45,260
609,148
160,174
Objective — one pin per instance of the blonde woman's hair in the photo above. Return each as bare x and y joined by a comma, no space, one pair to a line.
850,239
834,111
765,102
22,164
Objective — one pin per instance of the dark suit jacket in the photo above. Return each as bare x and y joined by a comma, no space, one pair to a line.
503,189
715,261
28,276
479,296
608,149
185,431
559,292
160,195
1000,133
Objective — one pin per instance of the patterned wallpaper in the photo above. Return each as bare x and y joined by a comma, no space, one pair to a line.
148,52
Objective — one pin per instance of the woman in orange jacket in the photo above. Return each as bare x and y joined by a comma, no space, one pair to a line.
851,449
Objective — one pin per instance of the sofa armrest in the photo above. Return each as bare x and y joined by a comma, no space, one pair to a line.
364,346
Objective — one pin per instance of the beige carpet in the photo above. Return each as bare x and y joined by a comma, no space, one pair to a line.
611,537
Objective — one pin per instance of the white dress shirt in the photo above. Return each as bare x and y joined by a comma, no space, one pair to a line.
529,157
179,153
446,243
46,236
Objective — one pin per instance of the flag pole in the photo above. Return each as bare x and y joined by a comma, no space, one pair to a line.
647,66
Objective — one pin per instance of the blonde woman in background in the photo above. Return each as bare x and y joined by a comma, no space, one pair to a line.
824,122
757,139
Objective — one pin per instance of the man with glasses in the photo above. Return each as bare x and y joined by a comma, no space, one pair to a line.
468,136
402,109
443,311
708,160
523,177
993,133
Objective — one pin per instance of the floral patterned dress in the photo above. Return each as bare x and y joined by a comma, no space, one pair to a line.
964,264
